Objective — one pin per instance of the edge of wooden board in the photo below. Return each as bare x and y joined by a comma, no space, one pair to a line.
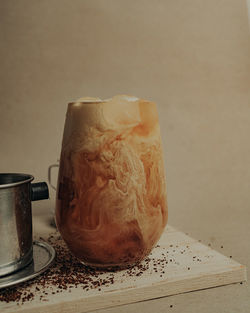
165,288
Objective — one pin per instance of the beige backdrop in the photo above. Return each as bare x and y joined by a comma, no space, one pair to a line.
191,56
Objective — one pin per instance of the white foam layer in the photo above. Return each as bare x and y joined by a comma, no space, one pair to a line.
95,100
96,116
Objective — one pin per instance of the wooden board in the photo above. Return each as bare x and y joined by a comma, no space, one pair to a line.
178,264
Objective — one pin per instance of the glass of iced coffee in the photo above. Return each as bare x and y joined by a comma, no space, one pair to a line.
111,206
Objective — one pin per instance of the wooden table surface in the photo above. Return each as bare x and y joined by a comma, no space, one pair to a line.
225,236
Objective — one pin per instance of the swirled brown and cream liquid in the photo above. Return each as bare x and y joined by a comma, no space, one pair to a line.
111,196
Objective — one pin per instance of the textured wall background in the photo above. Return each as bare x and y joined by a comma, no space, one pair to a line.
191,57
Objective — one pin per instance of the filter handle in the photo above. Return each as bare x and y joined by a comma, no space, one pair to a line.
39,191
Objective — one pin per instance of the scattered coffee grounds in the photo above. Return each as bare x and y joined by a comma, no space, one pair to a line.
68,272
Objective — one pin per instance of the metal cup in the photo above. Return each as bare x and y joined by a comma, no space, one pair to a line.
16,243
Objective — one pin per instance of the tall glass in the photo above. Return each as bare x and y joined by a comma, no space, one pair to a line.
111,206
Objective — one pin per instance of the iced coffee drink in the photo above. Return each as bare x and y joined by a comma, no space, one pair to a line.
111,198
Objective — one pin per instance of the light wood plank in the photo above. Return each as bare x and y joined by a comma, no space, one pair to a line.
212,270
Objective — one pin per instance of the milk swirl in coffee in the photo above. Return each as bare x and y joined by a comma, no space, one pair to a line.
111,196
